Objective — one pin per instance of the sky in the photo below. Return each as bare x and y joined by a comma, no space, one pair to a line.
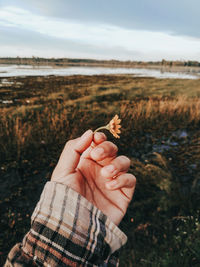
142,30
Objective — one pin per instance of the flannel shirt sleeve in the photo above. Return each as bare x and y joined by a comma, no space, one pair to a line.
67,230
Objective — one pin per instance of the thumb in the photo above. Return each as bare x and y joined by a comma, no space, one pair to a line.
70,156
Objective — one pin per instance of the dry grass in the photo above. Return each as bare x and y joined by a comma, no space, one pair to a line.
29,125
182,108
32,135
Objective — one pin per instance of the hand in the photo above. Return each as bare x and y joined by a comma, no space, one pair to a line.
90,166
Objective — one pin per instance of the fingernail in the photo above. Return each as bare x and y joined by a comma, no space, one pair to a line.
100,135
99,151
109,168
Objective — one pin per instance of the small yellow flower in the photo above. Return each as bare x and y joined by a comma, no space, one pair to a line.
113,126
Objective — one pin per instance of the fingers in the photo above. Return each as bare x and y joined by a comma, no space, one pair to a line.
117,165
125,180
83,142
118,178
104,150
72,151
99,137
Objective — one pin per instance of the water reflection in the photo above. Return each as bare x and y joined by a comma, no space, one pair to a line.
28,70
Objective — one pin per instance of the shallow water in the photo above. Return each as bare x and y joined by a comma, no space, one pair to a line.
29,70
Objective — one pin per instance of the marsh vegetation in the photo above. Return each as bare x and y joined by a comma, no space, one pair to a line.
160,133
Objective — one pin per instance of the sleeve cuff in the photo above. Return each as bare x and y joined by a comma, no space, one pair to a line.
53,202
69,223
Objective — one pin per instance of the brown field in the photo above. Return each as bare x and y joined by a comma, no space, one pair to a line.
160,133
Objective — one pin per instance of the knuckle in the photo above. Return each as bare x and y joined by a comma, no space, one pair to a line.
134,179
114,146
70,143
126,180
125,160
111,146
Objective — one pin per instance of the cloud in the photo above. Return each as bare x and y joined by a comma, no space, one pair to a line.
101,39
180,16
20,42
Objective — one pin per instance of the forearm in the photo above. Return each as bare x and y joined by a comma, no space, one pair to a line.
68,230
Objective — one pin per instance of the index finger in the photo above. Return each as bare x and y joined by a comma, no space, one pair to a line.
98,138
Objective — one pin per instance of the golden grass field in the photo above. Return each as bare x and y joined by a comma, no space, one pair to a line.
160,134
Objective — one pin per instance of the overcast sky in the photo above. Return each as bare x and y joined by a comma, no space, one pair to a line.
101,29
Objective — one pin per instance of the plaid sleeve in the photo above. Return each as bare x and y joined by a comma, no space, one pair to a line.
67,230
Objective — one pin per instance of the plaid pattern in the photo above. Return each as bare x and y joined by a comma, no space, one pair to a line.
67,230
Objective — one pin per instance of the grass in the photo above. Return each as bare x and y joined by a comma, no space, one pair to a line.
160,134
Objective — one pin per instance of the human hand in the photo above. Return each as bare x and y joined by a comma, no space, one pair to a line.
88,165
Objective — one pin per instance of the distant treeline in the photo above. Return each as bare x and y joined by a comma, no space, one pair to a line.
92,62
